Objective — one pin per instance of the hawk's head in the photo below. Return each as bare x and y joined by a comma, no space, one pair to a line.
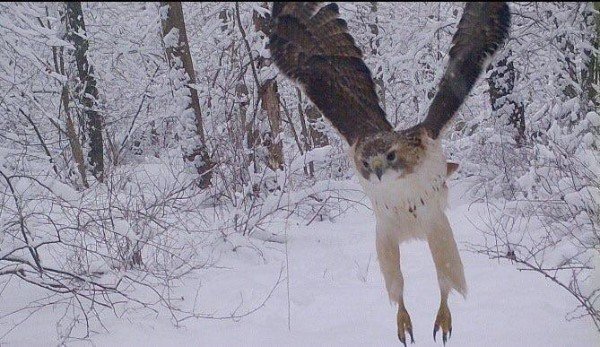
396,153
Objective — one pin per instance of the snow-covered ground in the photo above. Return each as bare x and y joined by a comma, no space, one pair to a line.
337,297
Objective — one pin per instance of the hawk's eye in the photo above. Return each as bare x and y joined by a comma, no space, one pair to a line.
391,156
366,164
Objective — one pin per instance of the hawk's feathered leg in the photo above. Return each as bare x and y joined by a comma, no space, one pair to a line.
388,254
449,270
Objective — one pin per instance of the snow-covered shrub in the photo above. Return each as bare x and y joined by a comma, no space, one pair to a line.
544,194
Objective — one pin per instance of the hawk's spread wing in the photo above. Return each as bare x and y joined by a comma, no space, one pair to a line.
481,30
311,44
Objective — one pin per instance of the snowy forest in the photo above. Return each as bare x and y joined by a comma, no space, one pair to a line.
162,183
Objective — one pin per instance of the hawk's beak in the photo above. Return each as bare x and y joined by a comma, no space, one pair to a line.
378,168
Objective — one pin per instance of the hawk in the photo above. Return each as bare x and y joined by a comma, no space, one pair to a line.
402,172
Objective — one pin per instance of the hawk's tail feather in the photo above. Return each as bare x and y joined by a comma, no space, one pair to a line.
459,284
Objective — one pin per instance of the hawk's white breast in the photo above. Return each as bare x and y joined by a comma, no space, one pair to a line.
406,207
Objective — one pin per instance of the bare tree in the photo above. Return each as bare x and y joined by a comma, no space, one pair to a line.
180,61
76,34
269,96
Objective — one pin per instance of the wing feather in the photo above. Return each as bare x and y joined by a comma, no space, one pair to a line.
481,30
309,43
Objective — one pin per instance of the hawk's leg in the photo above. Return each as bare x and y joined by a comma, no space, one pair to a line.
449,270
388,254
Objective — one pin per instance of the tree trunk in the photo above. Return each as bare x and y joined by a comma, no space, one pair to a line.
504,101
76,34
308,145
73,139
272,140
180,59
270,103
241,91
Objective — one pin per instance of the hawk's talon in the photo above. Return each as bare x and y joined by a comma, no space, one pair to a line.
404,326
443,321
402,339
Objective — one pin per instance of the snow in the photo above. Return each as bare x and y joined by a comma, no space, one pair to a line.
593,118
337,296
235,235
